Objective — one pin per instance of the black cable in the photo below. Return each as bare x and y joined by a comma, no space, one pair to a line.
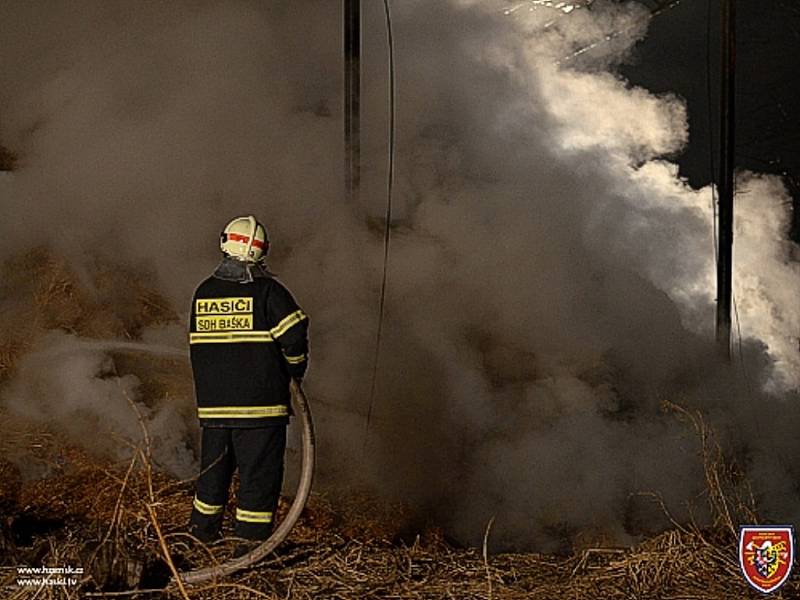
388,217
714,193
711,131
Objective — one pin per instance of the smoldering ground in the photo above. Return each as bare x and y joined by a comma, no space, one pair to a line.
550,277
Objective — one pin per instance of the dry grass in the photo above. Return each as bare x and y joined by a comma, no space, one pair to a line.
119,521
40,292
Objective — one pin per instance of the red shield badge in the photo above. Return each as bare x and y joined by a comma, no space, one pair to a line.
766,555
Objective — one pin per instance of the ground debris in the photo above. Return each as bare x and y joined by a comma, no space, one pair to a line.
93,513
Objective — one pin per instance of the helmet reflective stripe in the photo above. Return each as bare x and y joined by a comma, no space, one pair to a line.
236,237
244,239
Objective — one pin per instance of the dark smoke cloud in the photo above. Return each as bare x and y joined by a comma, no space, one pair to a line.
551,278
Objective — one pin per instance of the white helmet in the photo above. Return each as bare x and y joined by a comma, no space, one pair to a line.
244,239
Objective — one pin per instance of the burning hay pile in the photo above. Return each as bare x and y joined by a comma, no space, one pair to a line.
39,292
121,518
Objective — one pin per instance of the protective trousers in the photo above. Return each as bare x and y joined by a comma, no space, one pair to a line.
258,453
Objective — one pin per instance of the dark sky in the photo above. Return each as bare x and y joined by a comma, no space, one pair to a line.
673,58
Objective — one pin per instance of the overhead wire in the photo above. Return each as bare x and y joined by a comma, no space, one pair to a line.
388,220
710,113
714,199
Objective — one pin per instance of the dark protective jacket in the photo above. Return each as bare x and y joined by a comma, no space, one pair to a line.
247,340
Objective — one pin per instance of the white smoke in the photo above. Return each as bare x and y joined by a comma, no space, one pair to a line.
75,389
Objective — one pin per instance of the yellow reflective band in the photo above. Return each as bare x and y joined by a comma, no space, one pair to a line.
294,360
232,337
207,509
287,323
242,412
252,516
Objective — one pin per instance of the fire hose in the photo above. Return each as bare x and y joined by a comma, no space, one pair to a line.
303,412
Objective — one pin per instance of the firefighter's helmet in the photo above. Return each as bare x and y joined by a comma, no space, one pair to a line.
244,239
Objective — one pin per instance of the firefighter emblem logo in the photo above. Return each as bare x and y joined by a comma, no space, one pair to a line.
766,555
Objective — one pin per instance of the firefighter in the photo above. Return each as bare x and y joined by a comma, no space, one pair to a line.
248,339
